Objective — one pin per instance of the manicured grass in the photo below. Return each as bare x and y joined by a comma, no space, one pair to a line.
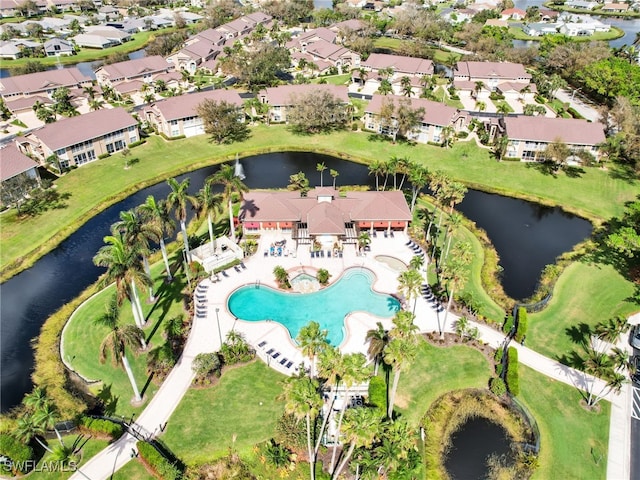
395,44
498,103
440,93
435,371
96,185
334,79
574,441
518,34
91,448
82,339
584,294
133,470
243,404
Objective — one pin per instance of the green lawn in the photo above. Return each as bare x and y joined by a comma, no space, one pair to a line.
82,339
574,442
91,448
133,470
436,371
518,34
96,185
584,294
395,44
138,41
243,404
334,79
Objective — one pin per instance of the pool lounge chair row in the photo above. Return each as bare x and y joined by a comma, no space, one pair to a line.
428,295
277,356
417,249
320,254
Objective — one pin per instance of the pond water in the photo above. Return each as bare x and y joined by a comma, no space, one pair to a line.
29,298
471,447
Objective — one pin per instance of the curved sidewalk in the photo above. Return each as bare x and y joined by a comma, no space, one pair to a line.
206,334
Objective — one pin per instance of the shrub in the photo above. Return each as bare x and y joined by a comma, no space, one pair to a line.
496,96
497,356
540,99
161,467
508,324
521,331
462,134
102,426
574,113
497,386
19,453
104,155
323,276
513,381
205,365
135,144
378,395
276,454
236,349
290,432
499,369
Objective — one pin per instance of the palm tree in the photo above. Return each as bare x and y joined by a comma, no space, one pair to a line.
96,104
363,240
376,167
409,283
447,136
330,367
28,429
419,178
138,234
125,269
479,85
321,167
208,203
405,83
117,340
453,275
36,400
334,174
453,193
378,339
454,222
360,430
609,330
157,214
177,200
404,326
312,342
481,106
231,184
503,108
385,87
302,400
352,371
399,353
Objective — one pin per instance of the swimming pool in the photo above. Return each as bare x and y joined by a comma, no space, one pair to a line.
329,306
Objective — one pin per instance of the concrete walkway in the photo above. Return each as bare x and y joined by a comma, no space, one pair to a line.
207,332
578,104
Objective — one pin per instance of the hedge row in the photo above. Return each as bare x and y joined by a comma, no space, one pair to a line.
508,324
16,451
521,331
161,467
102,426
378,395
513,380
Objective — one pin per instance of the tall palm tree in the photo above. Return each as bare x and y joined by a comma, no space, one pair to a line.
209,203
453,274
419,178
138,234
117,340
405,83
125,269
303,401
334,174
363,240
330,367
453,193
385,87
178,200
416,262
231,184
453,223
378,339
409,283
96,104
399,353
360,430
36,399
157,214
321,167
404,326
353,371
28,429
610,330
312,341
376,167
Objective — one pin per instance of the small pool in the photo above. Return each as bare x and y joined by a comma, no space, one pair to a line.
329,307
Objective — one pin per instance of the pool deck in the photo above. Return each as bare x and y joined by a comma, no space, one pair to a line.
260,270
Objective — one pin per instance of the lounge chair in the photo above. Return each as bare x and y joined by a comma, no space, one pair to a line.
408,243
270,351
284,360
237,268
244,267
391,233
386,235
225,274
340,254
262,343
322,253
266,253
374,234
289,363
329,253
275,355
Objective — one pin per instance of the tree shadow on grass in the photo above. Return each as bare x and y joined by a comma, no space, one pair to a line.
579,334
108,399
573,360
167,295
545,168
623,172
573,172
146,385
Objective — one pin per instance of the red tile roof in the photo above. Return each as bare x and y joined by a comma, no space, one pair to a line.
13,162
409,65
71,131
42,81
543,129
183,106
435,113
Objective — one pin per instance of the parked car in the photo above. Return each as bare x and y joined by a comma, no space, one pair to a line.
635,337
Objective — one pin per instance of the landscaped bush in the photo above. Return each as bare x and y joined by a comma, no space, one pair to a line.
497,386
323,276
101,427
290,432
498,355
16,451
276,454
135,144
540,99
160,466
513,380
521,331
236,349
508,324
378,395
574,113
104,155
206,367
496,96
